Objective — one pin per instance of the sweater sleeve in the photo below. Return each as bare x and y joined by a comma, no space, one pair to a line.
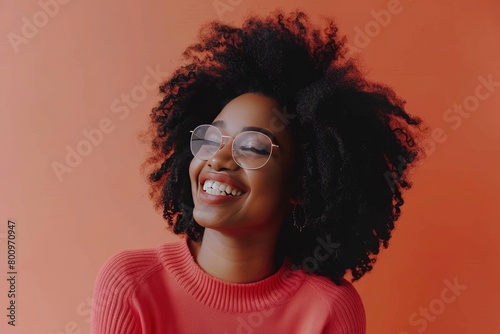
347,313
112,308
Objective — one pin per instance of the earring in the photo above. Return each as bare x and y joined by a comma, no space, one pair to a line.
300,227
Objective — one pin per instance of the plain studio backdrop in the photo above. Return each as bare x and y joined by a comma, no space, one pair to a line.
77,82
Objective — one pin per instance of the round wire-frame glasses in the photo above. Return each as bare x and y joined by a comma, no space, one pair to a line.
250,149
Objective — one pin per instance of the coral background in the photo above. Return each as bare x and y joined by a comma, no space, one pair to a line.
70,74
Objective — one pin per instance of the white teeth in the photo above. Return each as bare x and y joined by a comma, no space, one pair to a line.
212,191
220,189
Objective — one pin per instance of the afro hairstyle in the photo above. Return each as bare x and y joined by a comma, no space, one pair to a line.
355,143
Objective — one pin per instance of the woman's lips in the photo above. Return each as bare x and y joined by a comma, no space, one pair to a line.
221,182
222,178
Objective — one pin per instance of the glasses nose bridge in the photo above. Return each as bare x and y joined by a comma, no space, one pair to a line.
221,155
224,140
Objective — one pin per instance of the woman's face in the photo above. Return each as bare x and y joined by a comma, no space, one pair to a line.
265,192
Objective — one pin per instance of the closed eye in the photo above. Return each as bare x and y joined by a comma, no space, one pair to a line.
254,150
211,142
208,142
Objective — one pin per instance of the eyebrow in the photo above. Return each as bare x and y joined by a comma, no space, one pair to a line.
250,128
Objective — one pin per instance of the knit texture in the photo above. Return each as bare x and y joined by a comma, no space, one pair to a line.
163,290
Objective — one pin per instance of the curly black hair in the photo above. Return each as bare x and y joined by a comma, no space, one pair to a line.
354,140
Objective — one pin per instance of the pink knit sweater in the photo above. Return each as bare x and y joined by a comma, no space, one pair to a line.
163,290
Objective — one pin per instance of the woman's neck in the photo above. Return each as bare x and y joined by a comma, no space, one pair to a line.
235,259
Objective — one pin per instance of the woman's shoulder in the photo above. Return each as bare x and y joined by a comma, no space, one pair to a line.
342,300
125,269
325,287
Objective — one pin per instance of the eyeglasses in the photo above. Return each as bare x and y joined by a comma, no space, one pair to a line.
250,149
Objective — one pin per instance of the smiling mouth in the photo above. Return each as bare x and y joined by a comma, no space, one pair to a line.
220,189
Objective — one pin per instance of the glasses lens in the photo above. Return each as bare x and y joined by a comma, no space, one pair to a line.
205,141
251,149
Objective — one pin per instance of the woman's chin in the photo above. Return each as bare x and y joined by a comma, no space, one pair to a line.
206,219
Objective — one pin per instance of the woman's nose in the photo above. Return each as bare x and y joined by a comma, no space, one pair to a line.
223,158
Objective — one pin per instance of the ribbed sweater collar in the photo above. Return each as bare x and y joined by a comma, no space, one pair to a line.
225,296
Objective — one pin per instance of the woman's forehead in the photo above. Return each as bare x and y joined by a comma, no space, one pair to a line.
251,110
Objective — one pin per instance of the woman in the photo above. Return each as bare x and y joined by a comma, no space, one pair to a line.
283,168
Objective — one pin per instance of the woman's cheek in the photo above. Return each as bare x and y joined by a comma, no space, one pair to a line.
194,171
